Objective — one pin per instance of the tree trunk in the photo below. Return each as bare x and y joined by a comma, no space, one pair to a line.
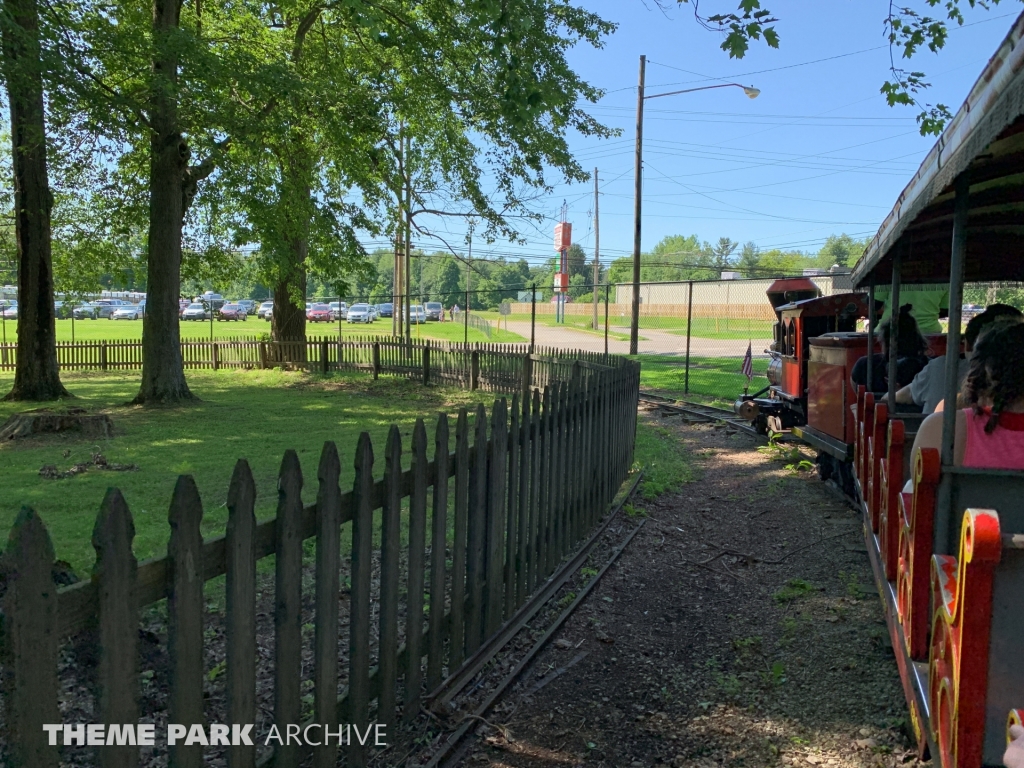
163,373
36,375
288,324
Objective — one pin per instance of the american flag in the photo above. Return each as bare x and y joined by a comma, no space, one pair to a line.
748,362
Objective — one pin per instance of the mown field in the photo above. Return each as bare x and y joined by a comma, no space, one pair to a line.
128,330
618,325
255,415
718,377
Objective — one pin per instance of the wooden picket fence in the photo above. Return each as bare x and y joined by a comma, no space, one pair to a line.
521,488
490,367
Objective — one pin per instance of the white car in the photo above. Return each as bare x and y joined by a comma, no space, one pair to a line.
9,309
131,312
359,313
339,310
265,308
194,311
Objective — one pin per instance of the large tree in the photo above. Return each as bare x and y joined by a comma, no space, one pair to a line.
36,375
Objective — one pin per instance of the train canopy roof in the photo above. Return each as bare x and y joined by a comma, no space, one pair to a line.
986,138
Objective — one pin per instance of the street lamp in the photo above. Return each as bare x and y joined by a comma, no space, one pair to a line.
751,92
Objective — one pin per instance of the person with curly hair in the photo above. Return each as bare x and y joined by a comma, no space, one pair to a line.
990,430
929,386
910,356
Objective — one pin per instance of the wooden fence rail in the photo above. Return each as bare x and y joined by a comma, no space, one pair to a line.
536,476
490,367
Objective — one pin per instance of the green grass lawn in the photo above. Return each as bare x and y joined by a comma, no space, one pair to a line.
131,330
255,415
718,377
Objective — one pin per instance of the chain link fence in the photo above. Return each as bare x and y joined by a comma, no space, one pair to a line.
692,338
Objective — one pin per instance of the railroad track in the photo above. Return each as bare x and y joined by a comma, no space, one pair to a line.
706,413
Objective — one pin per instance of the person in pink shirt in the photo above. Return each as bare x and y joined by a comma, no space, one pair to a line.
990,430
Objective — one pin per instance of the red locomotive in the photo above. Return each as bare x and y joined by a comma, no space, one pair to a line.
815,346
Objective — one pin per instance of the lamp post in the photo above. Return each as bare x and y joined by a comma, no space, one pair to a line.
634,327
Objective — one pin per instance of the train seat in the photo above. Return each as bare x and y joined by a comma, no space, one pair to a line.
920,528
891,471
974,670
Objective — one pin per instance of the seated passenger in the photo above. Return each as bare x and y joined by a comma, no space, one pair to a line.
910,356
928,387
990,431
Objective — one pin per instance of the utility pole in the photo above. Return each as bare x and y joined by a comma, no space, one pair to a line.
397,300
408,243
469,266
634,325
597,250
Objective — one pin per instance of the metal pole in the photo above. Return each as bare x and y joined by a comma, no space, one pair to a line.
396,292
606,318
465,316
634,326
408,247
597,249
533,316
894,322
689,319
871,330
945,524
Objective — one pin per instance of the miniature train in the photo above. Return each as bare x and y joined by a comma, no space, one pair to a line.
815,344
945,542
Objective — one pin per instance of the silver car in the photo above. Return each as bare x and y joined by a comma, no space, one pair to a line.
131,312
360,313
194,311
265,308
417,314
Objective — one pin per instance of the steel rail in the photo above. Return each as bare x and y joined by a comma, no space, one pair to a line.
442,696
471,720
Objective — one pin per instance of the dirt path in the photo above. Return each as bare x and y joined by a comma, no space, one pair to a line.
739,628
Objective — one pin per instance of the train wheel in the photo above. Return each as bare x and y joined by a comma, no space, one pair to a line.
826,466
845,478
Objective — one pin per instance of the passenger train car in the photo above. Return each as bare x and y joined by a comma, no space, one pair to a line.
946,543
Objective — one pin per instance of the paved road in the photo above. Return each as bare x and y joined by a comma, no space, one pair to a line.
654,342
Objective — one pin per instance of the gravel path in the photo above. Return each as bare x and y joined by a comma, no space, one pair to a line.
740,628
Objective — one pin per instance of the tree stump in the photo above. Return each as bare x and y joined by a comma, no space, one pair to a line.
44,421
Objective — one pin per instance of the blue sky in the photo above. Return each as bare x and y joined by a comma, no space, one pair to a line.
818,152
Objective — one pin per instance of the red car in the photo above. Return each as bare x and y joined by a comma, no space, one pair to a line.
319,313
231,312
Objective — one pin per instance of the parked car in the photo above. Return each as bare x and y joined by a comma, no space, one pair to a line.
359,313
62,309
968,311
318,313
212,300
373,313
385,310
433,310
195,311
9,309
339,309
231,312
248,305
269,314
94,310
265,307
417,314
131,312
